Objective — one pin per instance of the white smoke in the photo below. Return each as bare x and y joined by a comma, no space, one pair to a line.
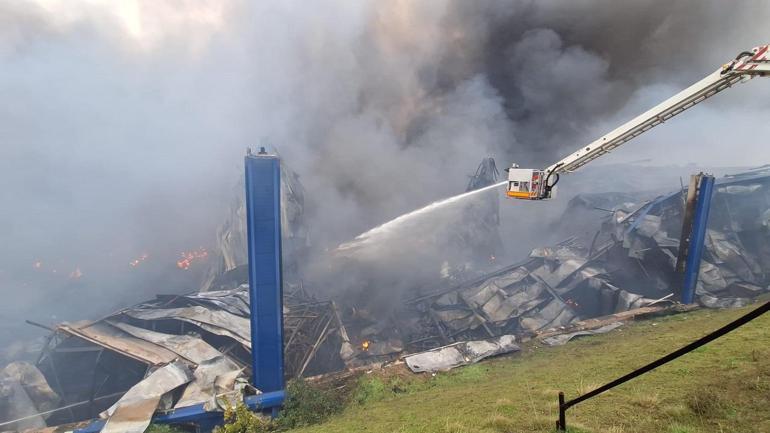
123,123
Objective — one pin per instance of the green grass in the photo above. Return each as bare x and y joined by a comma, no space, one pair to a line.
163,428
306,405
724,387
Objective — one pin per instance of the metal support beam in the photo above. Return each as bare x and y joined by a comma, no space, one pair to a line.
684,239
197,414
263,221
697,236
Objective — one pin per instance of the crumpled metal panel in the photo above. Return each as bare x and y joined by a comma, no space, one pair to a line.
458,319
648,226
453,314
733,255
554,314
559,253
478,296
628,301
670,256
188,347
559,340
501,308
710,278
510,278
498,283
714,302
211,378
764,220
107,336
739,189
563,271
450,298
216,321
490,296
745,290
498,308
637,246
528,298
18,407
664,241
588,272
24,393
391,345
227,300
462,353
133,412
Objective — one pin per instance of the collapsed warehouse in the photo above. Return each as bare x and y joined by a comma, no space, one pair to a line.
611,269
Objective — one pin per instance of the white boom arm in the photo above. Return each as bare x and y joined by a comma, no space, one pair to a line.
748,64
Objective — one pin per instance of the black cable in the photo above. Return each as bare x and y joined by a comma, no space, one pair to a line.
548,187
676,354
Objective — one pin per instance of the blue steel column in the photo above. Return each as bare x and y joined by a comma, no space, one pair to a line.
263,220
697,237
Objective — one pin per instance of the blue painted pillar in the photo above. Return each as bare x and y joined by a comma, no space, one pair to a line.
263,221
697,237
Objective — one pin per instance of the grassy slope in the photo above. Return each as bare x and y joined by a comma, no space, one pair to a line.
724,386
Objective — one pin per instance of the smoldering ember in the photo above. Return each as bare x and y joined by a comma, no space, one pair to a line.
178,350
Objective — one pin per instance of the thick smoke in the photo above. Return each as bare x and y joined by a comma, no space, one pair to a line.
123,123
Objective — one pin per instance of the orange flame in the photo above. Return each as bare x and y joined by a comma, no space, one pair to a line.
137,261
188,257
365,345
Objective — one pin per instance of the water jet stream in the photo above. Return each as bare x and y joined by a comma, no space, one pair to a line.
393,224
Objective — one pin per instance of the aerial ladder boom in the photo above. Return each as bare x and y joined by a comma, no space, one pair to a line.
534,184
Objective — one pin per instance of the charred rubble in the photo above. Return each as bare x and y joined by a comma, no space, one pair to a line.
628,262
89,366
619,262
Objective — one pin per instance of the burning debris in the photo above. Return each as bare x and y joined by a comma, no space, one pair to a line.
195,345
621,266
139,260
628,264
188,257
177,350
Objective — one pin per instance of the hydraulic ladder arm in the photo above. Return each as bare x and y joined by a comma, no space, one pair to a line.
536,184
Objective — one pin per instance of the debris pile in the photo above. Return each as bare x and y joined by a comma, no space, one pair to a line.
642,243
458,354
628,263
178,350
174,351
25,396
